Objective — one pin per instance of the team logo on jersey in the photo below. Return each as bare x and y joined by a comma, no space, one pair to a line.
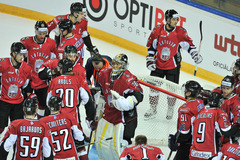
96,10
165,54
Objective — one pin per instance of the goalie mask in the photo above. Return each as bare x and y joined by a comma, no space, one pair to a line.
119,65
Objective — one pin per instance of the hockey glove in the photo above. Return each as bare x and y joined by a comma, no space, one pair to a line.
172,142
93,50
121,103
49,73
79,144
196,57
92,124
151,65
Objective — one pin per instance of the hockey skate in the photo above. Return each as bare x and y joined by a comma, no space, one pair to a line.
150,114
169,113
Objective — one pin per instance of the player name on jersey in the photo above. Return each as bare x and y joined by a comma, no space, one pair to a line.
57,123
39,54
205,115
64,81
32,129
234,150
14,79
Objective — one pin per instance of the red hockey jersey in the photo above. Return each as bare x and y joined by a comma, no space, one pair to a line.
187,113
142,152
75,40
77,29
232,107
206,126
37,55
229,152
70,89
166,44
32,138
127,83
64,130
13,80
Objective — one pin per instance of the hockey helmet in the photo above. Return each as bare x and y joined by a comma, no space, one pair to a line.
66,65
69,49
77,7
65,24
41,26
215,99
55,103
30,105
228,81
18,47
193,87
171,13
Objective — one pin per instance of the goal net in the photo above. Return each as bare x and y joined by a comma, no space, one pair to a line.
158,127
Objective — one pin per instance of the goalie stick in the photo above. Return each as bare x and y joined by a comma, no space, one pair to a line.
200,43
177,136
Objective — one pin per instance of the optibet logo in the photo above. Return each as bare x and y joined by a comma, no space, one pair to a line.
97,9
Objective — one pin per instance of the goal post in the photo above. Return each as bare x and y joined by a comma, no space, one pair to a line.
157,129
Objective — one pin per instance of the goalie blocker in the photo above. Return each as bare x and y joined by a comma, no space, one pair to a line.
122,94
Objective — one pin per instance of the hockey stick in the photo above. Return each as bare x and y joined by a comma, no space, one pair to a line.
177,136
200,43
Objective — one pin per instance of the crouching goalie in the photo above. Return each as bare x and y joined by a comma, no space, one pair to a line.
122,94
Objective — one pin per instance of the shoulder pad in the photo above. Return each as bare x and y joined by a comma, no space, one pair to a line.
2,59
24,38
183,29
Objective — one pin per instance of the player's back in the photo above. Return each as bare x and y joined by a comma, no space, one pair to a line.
63,142
68,87
206,128
230,152
30,137
143,151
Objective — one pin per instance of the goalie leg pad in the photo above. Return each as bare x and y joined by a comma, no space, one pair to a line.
109,149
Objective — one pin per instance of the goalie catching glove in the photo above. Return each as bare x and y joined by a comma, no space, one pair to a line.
121,103
196,57
151,65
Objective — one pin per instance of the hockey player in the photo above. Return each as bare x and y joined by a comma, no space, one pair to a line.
77,17
231,100
49,69
70,88
236,74
40,49
122,94
67,137
30,138
94,65
69,38
15,76
164,57
142,151
228,152
186,114
207,128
